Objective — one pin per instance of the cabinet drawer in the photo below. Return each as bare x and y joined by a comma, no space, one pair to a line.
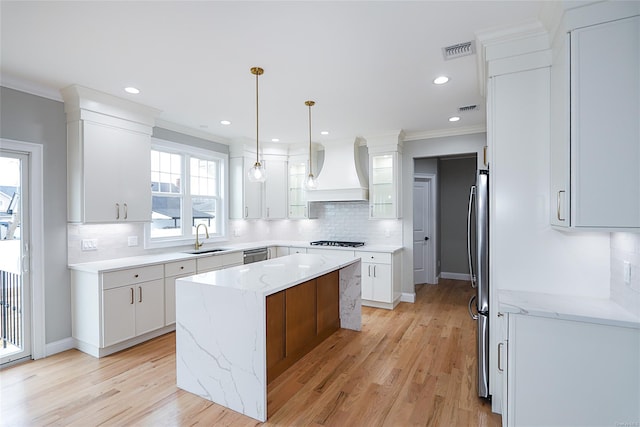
177,268
377,257
209,263
129,276
233,258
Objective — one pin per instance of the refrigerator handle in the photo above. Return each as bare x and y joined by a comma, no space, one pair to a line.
472,193
473,316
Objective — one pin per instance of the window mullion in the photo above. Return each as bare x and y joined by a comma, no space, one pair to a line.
187,210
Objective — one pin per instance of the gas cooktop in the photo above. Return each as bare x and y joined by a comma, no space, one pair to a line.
337,243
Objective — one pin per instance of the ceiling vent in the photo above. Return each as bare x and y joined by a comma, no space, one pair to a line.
459,50
468,108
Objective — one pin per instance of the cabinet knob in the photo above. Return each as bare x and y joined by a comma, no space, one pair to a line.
182,267
136,275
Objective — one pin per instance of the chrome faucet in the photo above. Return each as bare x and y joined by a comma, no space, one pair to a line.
206,230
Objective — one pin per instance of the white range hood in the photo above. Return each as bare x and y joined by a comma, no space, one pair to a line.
342,177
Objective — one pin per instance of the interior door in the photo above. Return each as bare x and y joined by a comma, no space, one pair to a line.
422,238
15,282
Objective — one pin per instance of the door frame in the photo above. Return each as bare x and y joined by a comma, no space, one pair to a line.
36,245
432,260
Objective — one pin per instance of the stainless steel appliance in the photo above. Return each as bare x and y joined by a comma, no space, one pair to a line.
337,243
478,253
255,255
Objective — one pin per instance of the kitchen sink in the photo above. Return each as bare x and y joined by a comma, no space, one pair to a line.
205,251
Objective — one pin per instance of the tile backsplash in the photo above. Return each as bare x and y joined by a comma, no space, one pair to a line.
625,247
333,221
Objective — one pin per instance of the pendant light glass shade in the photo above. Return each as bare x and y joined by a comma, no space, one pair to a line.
257,172
311,183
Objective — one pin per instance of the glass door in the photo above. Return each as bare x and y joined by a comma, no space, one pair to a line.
15,298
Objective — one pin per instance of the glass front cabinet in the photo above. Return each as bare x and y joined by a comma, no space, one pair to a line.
298,207
384,174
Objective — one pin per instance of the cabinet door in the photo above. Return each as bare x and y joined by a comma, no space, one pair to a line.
383,191
328,303
297,194
252,194
382,283
300,317
149,306
367,281
170,300
275,313
605,136
275,188
116,175
118,315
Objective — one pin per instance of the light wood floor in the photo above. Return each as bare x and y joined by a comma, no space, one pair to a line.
414,365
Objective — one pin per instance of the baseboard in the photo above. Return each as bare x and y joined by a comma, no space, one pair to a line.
455,276
408,297
59,346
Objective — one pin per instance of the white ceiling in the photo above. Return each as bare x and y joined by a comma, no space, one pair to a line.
368,65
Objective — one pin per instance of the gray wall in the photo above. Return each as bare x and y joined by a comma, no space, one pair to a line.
456,176
30,118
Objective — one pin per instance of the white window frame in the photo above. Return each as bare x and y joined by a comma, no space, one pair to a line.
200,153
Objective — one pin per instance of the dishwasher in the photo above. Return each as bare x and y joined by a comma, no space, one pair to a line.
255,255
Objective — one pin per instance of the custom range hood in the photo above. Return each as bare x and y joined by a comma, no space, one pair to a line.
342,177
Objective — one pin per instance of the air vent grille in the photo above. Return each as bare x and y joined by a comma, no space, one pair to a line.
468,108
459,50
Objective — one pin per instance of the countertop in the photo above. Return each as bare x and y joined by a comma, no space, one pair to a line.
271,276
175,255
582,309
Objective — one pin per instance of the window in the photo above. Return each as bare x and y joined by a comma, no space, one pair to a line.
187,189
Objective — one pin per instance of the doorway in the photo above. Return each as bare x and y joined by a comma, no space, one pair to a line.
15,275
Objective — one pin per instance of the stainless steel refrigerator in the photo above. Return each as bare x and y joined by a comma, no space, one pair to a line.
478,253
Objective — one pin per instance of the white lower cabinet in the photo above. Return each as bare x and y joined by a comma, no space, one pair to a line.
218,262
132,310
569,373
173,271
380,279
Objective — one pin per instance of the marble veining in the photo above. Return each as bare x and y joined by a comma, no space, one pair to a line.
221,325
583,309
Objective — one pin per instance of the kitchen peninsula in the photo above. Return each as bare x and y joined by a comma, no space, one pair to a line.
237,328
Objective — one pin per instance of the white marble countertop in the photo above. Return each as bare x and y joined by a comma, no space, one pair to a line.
161,258
271,276
582,309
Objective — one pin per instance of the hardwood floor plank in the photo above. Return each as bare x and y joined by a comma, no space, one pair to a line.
415,365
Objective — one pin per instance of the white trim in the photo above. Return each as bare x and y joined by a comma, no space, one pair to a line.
455,276
36,201
408,297
160,123
59,346
441,133
16,83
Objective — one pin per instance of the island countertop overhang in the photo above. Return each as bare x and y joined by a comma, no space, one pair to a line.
274,275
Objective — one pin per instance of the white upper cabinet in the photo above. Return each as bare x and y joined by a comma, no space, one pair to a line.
298,207
275,189
245,196
385,154
595,139
108,157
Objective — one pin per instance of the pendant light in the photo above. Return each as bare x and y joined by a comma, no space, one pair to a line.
310,183
257,172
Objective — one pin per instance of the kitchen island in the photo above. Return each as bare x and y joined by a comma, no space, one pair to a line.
231,324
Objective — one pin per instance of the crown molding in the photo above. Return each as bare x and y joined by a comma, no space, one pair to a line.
165,124
22,85
441,133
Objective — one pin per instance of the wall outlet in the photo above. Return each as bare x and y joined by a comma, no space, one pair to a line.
132,240
236,232
627,272
89,244
387,233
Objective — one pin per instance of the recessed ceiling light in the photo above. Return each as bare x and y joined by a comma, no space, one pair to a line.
275,140
225,122
132,90
454,119
324,132
441,80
